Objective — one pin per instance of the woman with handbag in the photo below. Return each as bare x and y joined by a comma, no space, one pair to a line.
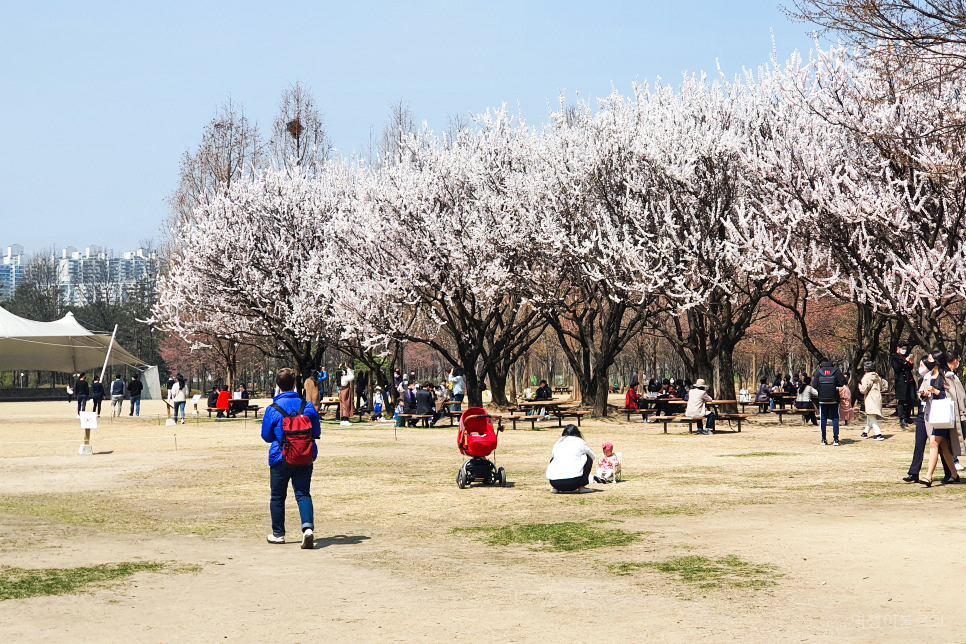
941,417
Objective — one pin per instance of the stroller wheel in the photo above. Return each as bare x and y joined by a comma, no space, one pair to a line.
461,479
501,477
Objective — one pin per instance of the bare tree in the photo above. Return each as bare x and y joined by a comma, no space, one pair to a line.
393,146
299,137
230,149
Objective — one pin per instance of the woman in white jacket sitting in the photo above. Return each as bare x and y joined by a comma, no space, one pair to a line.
569,469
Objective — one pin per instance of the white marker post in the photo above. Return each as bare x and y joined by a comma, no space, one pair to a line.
88,421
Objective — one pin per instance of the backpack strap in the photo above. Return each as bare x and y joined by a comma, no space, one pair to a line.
302,408
280,410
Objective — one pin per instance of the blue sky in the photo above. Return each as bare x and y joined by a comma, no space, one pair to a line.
98,100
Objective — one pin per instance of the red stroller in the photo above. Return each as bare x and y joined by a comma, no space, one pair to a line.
477,439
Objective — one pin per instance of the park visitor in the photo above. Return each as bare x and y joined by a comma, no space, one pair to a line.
570,462
953,359
697,407
400,410
805,400
82,392
762,395
177,395
117,395
346,411
426,402
292,426
458,380
828,379
97,395
905,384
607,464
362,386
926,367
933,392
846,412
243,393
377,404
632,400
871,386
313,389
134,389
223,404
324,382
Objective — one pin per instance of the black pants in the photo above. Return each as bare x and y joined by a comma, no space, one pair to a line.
903,411
571,485
97,405
921,440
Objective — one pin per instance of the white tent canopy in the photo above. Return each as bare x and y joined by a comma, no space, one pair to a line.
63,345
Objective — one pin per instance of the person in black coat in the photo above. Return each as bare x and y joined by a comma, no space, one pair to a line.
426,402
97,395
905,384
82,390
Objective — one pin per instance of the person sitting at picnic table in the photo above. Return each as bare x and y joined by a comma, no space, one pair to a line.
761,396
697,401
543,391
632,400
660,406
243,395
426,402
223,404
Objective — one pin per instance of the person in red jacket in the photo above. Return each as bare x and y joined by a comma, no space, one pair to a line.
632,399
223,405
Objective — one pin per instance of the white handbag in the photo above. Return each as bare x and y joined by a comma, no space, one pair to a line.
942,413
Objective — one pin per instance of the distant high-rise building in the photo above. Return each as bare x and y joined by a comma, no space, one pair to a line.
94,274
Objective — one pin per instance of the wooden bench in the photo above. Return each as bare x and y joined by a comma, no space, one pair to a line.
424,417
567,413
760,406
794,412
253,408
532,419
644,413
736,418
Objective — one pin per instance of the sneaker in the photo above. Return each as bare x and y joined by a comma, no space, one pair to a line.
864,435
824,442
959,468
880,437
182,421
308,540
555,491
273,539
345,422
835,443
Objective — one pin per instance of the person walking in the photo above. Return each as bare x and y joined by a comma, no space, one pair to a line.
362,390
324,382
97,395
829,379
570,462
905,384
953,359
698,399
313,390
134,389
458,380
117,395
346,410
926,367
82,391
287,404
942,440
178,396
871,386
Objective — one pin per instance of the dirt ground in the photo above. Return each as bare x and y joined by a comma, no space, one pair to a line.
856,555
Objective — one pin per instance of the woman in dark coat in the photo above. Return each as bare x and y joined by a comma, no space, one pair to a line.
905,386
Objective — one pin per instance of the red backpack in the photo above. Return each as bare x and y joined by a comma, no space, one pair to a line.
297,438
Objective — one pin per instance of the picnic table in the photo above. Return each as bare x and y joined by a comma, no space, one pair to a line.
554,408
681,418
235,407
782,399
561,390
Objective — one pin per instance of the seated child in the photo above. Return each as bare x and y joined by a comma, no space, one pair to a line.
607,465
400,409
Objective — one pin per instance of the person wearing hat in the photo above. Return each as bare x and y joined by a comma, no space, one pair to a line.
607,465
697,407
905,384
377,403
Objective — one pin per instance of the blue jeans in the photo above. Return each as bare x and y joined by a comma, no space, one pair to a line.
301,477
458,398
136,406
177,406
710,419
830,412
81,404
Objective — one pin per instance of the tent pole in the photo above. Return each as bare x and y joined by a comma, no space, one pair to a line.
108,356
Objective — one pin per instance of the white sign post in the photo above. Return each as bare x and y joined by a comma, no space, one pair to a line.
88,421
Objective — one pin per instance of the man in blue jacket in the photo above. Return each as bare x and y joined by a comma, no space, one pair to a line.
281,471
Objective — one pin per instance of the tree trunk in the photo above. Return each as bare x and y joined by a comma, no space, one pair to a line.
726,390
600,387
497,381
474,395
